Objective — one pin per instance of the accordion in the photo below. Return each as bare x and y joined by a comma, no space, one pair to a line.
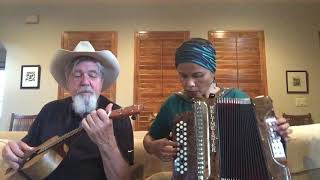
229,139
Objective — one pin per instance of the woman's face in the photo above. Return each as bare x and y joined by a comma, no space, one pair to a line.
196,80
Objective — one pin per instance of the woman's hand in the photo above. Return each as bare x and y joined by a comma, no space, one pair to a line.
164,149
283,128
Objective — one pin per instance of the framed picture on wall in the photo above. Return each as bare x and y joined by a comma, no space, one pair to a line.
297,82
30,77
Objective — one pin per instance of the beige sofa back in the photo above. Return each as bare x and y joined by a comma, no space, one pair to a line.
303,151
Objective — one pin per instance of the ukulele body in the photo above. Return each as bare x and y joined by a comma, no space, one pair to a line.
39,166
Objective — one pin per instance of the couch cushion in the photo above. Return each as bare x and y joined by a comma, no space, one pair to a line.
303,148
151,163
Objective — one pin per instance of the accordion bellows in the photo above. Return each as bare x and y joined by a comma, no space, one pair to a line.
227,138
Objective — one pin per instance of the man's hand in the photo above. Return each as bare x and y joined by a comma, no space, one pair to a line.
13,153
100,130
283,128
99,127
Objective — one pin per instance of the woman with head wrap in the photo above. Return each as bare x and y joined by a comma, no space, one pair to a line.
195,62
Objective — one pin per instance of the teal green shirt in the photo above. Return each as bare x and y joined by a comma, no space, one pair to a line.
162,125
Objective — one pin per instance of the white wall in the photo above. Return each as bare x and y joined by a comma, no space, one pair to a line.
291,43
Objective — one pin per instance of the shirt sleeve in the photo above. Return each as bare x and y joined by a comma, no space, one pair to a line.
160,127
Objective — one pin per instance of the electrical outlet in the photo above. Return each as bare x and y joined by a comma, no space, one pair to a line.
301,102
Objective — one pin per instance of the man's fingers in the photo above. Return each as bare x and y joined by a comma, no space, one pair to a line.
85,124
14,165
15,149
103,115
25,147
109,108
8,155
91,123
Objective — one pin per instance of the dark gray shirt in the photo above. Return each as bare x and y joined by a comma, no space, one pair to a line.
83,160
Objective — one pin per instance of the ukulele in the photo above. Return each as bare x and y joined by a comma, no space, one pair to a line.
45,158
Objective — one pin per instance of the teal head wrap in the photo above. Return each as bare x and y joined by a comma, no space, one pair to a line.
198,51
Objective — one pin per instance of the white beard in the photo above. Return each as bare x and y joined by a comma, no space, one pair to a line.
84,104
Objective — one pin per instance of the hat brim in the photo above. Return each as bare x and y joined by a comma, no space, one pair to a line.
104,57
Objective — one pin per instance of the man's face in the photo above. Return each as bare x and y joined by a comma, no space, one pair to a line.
85,80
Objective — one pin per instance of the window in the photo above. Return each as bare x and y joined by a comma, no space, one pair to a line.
155,73
241,60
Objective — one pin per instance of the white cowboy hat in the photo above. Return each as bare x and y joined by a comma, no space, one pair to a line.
105,57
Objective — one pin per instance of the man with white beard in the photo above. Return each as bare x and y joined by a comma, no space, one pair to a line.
106,149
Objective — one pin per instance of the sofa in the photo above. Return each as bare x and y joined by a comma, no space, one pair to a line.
303,149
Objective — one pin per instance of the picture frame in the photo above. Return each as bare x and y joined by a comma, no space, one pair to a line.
297,82
30,77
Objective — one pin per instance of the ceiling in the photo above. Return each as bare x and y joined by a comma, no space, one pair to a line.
92,2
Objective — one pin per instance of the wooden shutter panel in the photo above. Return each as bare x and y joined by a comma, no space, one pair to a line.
241,61
100,40
251,63
155,74
226,50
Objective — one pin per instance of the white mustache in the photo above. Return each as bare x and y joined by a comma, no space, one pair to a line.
85,89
